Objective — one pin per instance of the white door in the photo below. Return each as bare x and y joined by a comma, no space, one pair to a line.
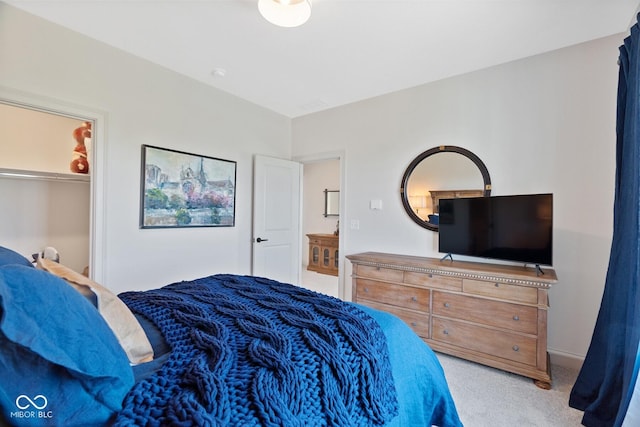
276,219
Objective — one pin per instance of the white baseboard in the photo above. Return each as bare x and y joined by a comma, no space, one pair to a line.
567,360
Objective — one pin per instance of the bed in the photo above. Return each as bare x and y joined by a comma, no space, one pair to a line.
222,350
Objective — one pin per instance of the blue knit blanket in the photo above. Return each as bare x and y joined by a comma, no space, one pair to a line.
250,351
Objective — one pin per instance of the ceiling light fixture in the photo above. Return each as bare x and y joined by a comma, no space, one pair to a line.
219,72
285,13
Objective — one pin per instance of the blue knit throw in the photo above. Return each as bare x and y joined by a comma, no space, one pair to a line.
250,351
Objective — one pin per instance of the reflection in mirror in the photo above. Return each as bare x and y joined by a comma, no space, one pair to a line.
331,203
438,173
442,171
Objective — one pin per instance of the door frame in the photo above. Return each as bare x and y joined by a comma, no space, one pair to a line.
97,235
317,157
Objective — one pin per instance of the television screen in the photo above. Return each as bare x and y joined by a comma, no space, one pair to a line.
511,228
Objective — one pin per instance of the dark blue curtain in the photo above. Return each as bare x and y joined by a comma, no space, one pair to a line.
604,384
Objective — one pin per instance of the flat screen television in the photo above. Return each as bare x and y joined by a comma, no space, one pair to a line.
515,228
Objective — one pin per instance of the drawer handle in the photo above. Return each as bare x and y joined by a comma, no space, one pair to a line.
446,332
516,348
366,290
497,285
516,317
447,305
414,324
414,299
430,276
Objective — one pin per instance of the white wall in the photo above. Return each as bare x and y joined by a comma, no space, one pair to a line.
541,124
35,214
145,104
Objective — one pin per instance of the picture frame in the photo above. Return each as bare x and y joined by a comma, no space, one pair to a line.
180,189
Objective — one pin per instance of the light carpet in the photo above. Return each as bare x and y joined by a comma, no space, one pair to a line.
493,398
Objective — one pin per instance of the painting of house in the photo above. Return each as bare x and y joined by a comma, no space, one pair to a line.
186,190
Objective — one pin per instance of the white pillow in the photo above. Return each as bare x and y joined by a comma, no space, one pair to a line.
116,313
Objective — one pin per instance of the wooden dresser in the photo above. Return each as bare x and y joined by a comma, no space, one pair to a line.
487,313
323,253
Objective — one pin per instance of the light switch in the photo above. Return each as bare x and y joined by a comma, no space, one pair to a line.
375,205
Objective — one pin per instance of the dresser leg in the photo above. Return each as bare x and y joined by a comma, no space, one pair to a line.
545,385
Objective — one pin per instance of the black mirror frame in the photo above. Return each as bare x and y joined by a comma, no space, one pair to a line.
326,203
435,150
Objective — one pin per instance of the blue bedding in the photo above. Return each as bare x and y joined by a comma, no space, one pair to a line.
229,351
422,390
60,364
262,352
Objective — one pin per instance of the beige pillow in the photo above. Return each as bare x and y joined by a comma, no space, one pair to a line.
117,315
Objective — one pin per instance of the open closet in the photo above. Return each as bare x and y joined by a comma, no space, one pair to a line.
42,202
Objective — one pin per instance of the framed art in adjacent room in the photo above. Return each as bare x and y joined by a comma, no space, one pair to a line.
180,189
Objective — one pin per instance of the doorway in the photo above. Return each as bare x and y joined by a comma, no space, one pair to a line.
319,175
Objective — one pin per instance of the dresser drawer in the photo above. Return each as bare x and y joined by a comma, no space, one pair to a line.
418,322
486,313
493,313
433,280
505,345
386,274
315,240
500,290
388,293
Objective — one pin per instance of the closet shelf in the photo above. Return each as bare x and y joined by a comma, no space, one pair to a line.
46,176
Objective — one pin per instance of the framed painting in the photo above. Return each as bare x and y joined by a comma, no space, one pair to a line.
181,189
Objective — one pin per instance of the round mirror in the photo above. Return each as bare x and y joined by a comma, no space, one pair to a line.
443,172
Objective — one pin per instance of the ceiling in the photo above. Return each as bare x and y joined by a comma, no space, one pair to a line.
348,51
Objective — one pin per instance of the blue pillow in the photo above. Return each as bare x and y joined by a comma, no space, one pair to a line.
7,256
60,363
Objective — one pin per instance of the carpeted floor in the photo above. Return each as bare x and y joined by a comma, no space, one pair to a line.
487,397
